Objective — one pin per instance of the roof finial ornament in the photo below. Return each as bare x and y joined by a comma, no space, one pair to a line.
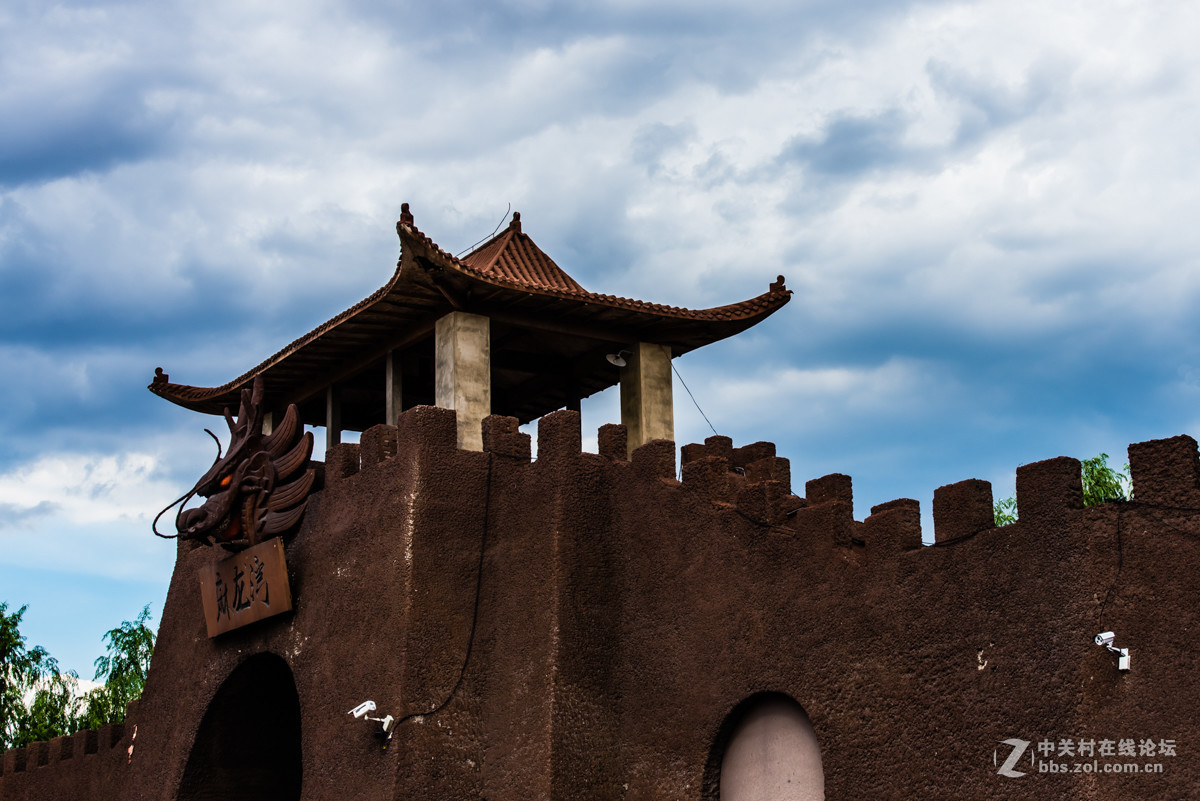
160,377
515,225
406,217
778,286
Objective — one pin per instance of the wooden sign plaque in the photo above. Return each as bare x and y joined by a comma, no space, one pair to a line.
245,587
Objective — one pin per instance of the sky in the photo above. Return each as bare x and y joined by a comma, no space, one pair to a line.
985,210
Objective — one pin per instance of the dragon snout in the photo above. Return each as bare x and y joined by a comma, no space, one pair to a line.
192,519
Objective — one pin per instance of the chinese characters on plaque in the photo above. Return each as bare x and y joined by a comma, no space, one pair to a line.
245,587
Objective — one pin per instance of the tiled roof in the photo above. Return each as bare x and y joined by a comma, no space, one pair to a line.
492,261
513,256
508,276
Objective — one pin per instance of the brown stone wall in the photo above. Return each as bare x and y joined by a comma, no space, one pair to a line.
621,616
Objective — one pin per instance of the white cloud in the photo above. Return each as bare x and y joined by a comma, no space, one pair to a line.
86,513
89,488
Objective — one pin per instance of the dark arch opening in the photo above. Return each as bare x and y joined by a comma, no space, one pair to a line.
248,745
770,734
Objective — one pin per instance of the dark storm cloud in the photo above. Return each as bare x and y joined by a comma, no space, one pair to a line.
61,136
852,144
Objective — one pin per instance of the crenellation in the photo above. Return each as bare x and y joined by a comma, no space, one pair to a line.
613,441
39,753
898,503
833,487
655,459
427,429
710,477
377,444
1166,472
766,502
692,452
116,734
502,436
829,510
1049,489
894,525
62,748
14,760
770,468
86,742
754,452
560,437
341,462
833,521
962,509
720,447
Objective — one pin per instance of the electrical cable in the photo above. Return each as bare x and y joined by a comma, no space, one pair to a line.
487,503
489,236
693,397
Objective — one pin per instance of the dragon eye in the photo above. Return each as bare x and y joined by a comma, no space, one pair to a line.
225,481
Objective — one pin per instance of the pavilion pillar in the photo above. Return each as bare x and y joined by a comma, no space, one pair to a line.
463,373
333,416
647,408
393,397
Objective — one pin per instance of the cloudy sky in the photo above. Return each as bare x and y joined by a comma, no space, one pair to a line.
986,210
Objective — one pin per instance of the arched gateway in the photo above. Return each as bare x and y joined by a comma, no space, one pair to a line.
248,746
772,753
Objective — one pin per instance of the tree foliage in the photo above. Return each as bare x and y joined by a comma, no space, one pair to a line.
1101,484
1005,511
37,702
21,668
123,670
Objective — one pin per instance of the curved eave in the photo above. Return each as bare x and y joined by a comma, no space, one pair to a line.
681,328
428,283
299,358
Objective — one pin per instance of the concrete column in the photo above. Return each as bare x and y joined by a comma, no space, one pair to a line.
647,408
393,403
333,417
463,373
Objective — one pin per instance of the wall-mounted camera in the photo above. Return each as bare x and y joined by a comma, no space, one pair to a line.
1105,638
386,723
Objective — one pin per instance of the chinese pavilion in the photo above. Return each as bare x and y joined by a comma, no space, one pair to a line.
502,330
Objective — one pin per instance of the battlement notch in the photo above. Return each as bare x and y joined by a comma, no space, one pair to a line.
1166,471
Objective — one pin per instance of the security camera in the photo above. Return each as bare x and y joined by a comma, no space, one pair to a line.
362,709
386,723
1105,638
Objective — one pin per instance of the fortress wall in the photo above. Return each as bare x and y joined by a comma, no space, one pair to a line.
582,625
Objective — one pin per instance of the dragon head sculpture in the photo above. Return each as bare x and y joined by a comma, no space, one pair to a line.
257,488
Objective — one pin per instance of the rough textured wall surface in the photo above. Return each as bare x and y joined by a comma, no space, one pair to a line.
586,626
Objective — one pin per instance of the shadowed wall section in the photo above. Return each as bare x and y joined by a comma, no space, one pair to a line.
248,746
